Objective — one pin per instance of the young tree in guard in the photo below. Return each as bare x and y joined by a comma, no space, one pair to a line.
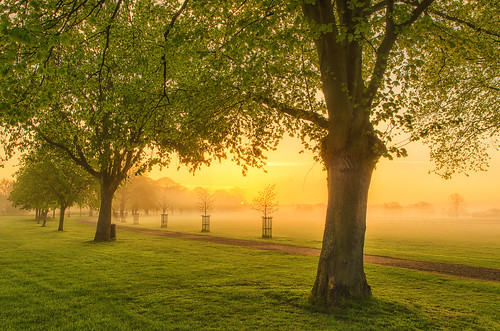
265,202
205,206
163,201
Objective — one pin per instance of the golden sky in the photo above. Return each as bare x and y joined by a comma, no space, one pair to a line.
300,180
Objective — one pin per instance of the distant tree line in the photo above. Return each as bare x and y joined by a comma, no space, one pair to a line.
141,193
47,180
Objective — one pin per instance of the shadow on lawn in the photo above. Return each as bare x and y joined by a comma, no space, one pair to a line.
373,313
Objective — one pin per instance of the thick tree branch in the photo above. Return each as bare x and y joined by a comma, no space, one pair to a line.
461,21
79,159
294,112
333,64
106,47
415,14
165,37
376,7
382,56
391,33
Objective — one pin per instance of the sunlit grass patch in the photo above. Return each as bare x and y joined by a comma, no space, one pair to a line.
54,280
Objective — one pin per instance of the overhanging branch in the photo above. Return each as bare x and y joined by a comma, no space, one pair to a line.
466,23
78,159
391,33
415,14
165,37
376,7
294,112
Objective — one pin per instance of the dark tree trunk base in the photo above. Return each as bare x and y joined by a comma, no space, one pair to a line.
340,274
103,229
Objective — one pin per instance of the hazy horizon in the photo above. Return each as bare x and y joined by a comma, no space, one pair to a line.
300,180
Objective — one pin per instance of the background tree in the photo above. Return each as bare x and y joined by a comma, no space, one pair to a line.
31,191
205,201
6,207
456,204
122,196
55,179
5,186
91,198
142,193
163,198
89,81
393,207
265,201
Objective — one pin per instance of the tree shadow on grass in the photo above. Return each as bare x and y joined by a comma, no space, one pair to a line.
368,314
377,314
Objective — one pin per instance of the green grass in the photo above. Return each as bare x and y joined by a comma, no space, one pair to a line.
469,241
60,281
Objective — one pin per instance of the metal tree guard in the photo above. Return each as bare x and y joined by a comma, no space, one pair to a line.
267,227
205,223
135,217
164,220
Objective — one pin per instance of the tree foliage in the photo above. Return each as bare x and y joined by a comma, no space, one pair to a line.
48,180
347,77
206,201
265,201
231,77
104,82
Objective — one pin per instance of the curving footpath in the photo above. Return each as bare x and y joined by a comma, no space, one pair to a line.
481,273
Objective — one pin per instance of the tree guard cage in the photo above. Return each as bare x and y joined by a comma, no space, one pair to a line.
164,220
267,227
135,217
205,223
123,217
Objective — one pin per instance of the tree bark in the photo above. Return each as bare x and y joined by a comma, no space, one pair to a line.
108,188
61,217
43,215
340,270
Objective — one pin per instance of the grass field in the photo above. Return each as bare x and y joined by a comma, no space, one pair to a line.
466,241
60,280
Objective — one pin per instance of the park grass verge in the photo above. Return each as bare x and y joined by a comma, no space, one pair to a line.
440,240
61,280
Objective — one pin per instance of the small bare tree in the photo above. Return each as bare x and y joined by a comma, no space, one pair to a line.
456,203
205,201
265,201
163,199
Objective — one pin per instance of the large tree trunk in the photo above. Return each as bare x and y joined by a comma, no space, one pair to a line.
340,270
108,188
349,168
61,217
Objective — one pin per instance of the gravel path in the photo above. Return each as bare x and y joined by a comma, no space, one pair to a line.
488,274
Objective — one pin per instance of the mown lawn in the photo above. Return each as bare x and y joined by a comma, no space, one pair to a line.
465,241
53,280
